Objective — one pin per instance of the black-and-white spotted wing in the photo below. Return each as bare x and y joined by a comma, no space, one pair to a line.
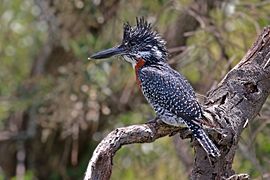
169,92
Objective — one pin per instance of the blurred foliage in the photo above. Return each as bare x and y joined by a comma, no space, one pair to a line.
21,36
148,161
79,99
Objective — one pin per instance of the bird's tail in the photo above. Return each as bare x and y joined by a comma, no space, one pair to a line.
203,139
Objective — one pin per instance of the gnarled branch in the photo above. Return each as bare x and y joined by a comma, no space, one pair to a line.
236,101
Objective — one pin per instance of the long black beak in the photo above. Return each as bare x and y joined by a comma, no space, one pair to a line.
108,53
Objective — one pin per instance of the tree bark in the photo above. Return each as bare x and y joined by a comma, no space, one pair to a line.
230,106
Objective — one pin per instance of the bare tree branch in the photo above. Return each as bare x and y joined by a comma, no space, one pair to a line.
100,166
236,101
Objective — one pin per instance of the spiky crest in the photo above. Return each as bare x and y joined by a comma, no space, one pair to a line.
143,37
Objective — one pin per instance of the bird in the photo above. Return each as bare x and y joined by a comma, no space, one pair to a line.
166,90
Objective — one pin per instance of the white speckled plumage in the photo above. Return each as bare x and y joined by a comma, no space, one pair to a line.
166,90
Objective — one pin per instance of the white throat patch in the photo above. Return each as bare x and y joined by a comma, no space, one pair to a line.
130,60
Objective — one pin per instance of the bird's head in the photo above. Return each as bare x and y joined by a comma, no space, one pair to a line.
139,42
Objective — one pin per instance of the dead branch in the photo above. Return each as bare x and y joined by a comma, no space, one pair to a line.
231,105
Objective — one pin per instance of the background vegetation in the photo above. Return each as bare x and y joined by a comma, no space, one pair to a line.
55,105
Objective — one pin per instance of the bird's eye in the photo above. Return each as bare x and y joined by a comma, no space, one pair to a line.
132,43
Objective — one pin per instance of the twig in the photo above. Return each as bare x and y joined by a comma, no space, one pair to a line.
100,165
